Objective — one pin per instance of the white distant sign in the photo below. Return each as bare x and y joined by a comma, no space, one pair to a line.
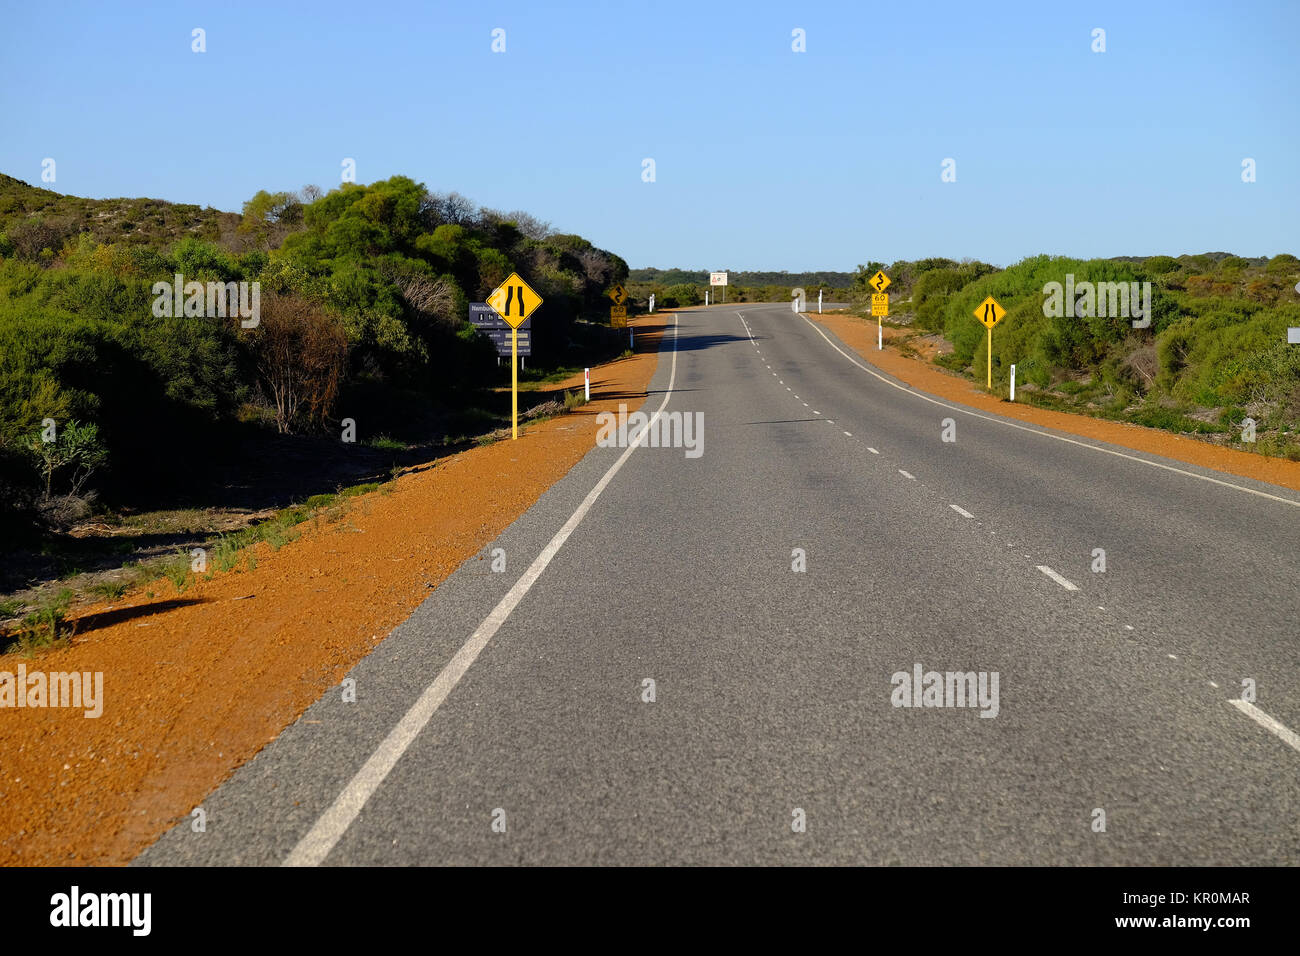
1293,336
717,278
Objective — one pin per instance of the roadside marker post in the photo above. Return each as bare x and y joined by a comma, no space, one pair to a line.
1013,382
652,303
514,301
990,314
819,301
586,384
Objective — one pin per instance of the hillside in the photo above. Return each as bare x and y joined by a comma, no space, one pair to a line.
1214,354
363,295
32,219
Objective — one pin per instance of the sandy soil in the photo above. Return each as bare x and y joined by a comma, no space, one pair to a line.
860,335
196,683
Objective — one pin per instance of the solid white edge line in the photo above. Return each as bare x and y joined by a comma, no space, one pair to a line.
1036,431
316,845
1063,582
961,511
1268,723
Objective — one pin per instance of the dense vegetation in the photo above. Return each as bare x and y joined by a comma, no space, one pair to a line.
363,304
1215,351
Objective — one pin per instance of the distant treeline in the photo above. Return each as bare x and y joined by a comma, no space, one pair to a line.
666,277
681,287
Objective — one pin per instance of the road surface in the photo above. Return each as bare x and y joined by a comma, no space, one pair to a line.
516,701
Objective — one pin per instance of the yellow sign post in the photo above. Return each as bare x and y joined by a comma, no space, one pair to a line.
990,314
514,301
879,304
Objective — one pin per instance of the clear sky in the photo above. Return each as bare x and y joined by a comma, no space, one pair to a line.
764,158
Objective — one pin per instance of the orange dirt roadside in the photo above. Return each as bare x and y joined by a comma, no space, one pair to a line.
196,683
860,335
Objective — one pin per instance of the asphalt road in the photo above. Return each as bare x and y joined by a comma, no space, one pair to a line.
517,698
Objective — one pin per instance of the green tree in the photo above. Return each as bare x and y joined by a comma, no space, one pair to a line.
74,449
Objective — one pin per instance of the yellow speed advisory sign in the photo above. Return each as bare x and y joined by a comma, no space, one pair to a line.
879,304
989,312
514,300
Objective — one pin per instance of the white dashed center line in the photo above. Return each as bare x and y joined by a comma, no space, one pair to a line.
961,511
1068,585
872,450
907,474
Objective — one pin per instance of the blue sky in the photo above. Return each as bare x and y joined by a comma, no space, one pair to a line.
765,158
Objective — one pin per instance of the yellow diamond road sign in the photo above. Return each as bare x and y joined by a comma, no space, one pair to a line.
514,301
879,281
880,303
989,312
618,294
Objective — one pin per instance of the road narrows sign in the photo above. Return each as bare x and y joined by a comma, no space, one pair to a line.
514,301
990,314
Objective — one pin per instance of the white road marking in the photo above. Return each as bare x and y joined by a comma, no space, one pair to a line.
961,511
815,412
1068,585
1128,627
872,450
316,845
1267,722
805,404
1037,431
907,474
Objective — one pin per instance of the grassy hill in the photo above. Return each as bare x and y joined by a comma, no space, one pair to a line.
34,219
